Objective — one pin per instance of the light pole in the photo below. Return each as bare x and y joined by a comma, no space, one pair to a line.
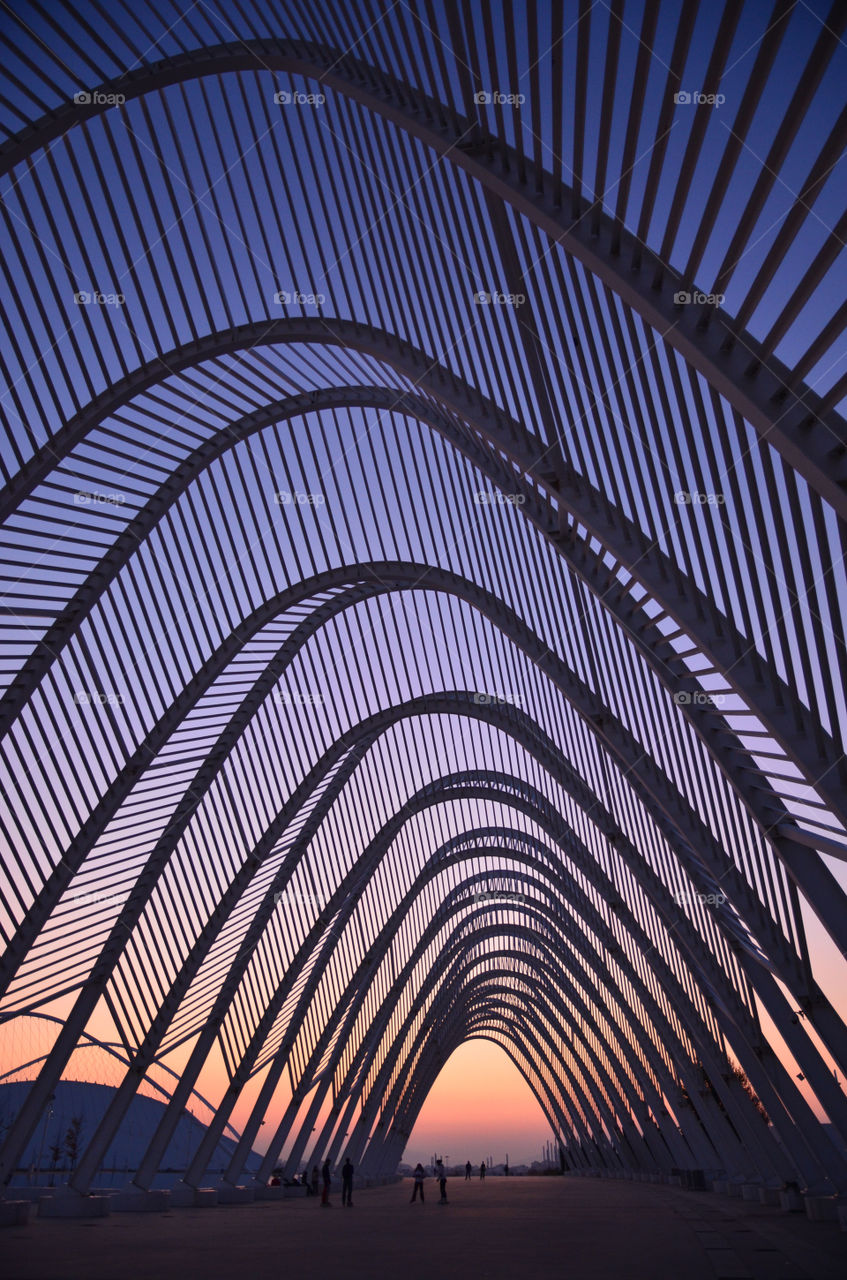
48,1112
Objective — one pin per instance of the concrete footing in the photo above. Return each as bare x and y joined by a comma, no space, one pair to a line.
74,1206
140,1202
14,1213
769,1195
235,1195
821,1208
184,1197
791,1201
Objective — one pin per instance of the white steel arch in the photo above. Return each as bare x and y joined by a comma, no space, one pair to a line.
424,481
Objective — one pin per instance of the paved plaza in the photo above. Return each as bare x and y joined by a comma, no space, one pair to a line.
523,1229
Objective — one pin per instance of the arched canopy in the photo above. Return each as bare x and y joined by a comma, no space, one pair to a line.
423,502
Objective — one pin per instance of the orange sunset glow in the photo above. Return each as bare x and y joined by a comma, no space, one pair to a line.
480,1105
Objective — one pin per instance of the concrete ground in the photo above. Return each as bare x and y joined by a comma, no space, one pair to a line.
520,1228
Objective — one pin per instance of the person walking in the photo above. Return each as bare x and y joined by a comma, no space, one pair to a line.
419,1176
441,1175
327,1181
482,1172
468,1168
347,1183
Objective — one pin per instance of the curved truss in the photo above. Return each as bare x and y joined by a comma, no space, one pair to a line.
369,688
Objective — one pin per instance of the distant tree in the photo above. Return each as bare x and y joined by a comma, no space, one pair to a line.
740,1075
736,1072
73,1140
55,1156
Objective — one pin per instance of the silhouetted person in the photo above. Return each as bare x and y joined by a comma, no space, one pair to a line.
468,1171
419,1176
482,1172
441,1175
314,1179
326,1176
347,1183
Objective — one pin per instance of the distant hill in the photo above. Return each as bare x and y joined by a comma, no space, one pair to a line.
87,1102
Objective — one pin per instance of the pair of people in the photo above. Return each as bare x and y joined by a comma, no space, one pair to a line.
347,1170
419,1175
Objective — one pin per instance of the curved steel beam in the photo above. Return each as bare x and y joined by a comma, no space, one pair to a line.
776,704
586,1079
539,811
432,1053
204,1043
553,761
460,847
673,815
689,1016
454,956
534,1045
480,1030
812,441
453,904
589,800
435,1039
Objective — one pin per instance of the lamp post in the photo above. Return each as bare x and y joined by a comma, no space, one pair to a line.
48,1112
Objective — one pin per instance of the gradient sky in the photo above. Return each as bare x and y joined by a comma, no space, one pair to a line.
480,1105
